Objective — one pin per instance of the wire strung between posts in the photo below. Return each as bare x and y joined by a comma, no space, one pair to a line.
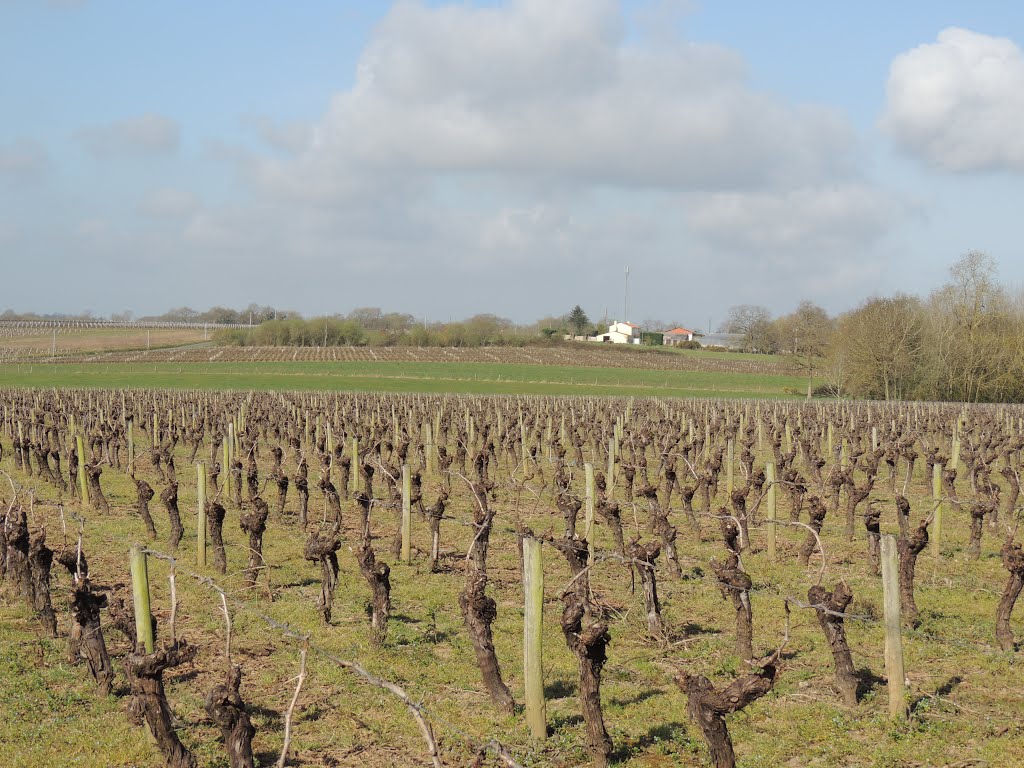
18,488
494,746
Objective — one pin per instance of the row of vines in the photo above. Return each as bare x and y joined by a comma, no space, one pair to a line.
695,555
584,355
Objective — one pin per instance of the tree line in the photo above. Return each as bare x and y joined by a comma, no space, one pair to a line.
963,342
370,326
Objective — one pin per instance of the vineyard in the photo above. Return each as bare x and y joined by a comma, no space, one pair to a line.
39,341
579,355
320,579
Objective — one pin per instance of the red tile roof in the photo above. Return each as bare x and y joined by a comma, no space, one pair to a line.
678,331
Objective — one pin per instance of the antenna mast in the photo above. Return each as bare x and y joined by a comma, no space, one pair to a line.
625,300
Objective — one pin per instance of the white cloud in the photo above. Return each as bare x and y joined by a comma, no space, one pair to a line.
818,221
518,228
546,89
148,134
958,103
541,93
535,135
291,137
23,157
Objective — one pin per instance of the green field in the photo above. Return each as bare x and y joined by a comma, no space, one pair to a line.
456,378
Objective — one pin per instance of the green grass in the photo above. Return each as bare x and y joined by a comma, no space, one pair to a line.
51,710
968,693
456,378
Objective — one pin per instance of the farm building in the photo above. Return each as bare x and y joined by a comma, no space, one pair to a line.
619,333
726,340
677,335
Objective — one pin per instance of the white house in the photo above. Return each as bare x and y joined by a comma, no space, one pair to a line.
676,335
619,333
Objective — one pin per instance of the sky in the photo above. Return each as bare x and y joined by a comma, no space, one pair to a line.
452,158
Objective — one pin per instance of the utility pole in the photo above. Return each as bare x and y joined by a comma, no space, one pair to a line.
625,300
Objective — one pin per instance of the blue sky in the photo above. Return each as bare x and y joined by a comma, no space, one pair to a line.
512,157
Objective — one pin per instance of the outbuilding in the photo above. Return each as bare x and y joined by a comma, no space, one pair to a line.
677,336
619,333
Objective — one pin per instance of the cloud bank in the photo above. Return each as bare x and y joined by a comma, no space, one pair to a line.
479,136
957,104
533,145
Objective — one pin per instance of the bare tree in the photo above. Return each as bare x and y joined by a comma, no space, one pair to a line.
884,344
805,334
754,323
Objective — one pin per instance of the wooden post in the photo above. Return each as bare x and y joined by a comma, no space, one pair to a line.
769,473
201,513
533,633
611,468
131,443
357,482
406,514
588,519
893,639
729,448
225,468
83,486
428,447
140,597
937,497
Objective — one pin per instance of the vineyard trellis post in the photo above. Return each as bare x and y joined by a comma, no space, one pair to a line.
406,514
772,507
140,597
937,498
729,449
429,448
82,485
201,514
588,520
893,638
130,424
533,633
356,481
225,466
611,467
